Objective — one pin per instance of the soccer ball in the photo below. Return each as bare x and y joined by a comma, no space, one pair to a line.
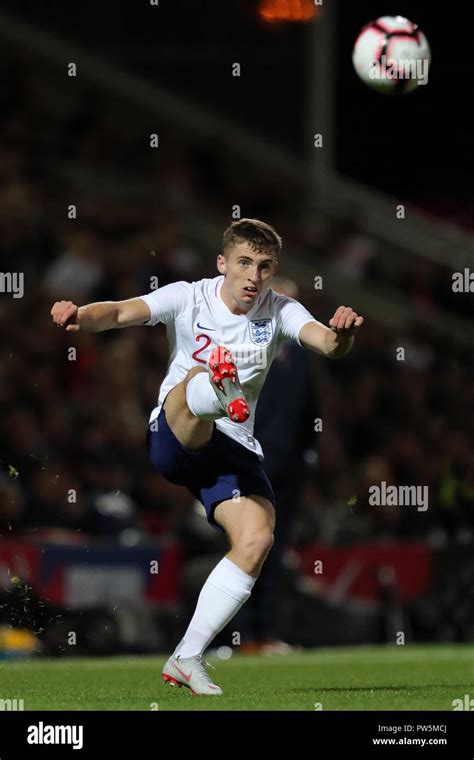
392,55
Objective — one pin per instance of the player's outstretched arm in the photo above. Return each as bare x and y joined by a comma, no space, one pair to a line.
337,339
103,315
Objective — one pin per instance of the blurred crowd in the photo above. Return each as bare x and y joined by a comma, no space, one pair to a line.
73,425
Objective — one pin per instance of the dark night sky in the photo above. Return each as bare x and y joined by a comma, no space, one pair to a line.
417,146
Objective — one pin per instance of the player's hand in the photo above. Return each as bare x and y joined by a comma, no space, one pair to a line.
64,314
345,321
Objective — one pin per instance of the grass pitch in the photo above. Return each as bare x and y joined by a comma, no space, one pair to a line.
359,678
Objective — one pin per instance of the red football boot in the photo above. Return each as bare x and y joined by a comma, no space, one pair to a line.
225,381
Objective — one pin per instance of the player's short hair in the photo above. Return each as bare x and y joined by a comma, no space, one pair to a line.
259,235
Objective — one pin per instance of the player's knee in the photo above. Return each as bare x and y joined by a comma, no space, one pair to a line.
256,545
192,372
175,401
187,399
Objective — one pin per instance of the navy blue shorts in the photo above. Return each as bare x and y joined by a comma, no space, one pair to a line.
221,469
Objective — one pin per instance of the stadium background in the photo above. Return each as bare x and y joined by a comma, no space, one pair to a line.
84,564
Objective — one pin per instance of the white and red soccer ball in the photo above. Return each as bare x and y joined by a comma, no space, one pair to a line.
392,55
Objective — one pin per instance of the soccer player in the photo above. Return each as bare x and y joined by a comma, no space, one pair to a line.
223,334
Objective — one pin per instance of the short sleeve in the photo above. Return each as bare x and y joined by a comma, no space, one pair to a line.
292,316
168,302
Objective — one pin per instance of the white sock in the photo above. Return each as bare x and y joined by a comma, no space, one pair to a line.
201,398
223,594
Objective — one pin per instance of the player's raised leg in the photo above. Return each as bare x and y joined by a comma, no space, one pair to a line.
249,524
192,430
204,396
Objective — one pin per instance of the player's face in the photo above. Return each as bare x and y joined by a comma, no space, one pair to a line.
247,273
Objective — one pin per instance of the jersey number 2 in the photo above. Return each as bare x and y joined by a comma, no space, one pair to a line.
203,348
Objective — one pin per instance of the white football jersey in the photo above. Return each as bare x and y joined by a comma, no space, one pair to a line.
197,320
